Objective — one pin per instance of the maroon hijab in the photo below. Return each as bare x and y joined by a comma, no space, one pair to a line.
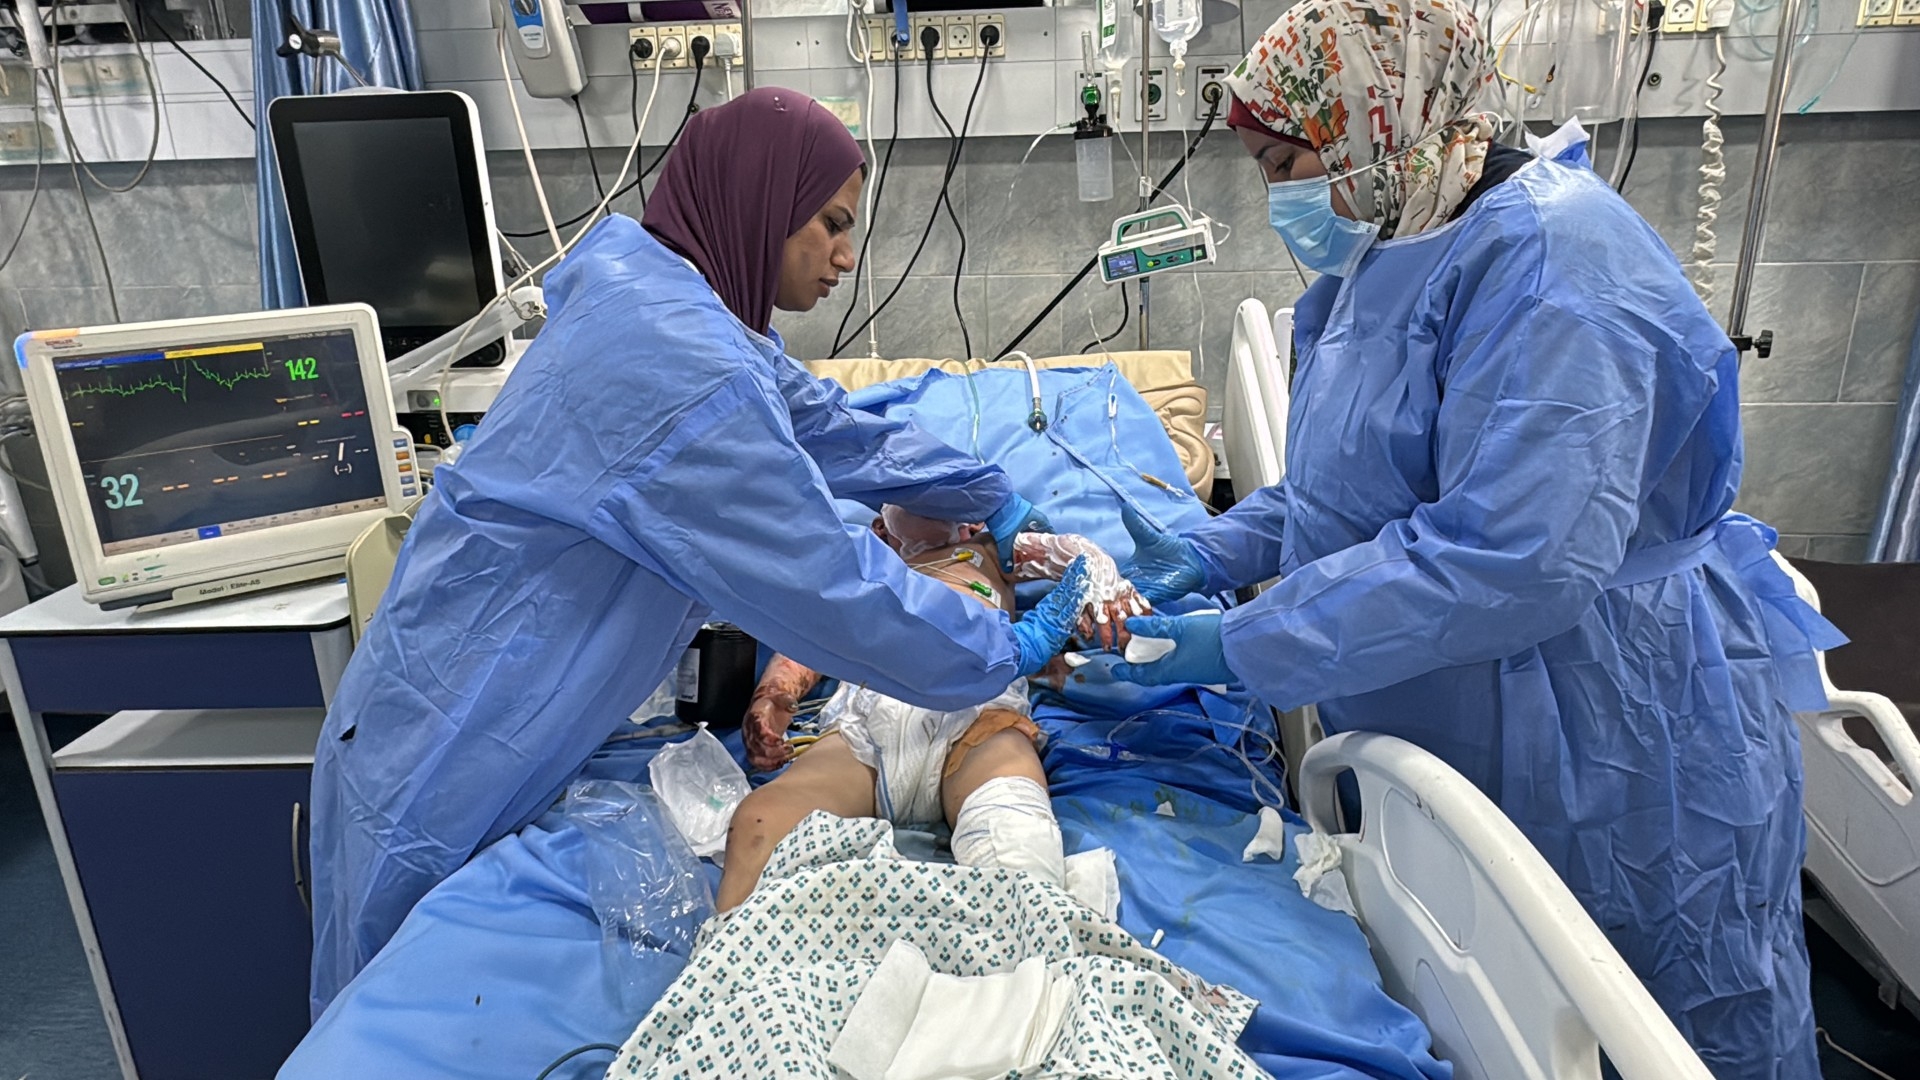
746,176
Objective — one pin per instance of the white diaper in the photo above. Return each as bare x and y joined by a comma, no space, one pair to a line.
906,746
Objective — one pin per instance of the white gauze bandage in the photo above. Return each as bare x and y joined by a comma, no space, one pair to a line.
1008,822
1046,556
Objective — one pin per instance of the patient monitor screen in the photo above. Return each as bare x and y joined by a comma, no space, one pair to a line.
201,441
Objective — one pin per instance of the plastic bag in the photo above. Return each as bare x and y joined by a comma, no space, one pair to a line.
700,785
659,703
646,887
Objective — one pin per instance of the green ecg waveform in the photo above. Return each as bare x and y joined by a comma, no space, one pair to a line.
161,382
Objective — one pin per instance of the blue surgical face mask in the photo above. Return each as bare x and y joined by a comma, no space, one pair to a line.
1302,213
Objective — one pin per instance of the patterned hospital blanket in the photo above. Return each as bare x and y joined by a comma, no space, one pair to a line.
772,982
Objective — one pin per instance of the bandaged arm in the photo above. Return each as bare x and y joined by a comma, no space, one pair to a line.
1045,556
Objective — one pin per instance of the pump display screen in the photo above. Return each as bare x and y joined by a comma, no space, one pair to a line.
1122,264
199,441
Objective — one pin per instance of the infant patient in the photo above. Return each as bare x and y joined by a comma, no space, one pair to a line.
976,769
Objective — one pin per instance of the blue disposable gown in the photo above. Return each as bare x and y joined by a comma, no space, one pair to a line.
1504,536
649,462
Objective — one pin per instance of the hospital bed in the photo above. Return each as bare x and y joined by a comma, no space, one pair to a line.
1476,945
1863,824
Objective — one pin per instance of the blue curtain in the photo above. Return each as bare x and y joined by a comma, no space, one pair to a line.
1896,531
377,38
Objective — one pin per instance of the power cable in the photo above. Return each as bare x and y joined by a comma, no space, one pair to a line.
873,211
195,61
693,106
586,139
953,161
960,262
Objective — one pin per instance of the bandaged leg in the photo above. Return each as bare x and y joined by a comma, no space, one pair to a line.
1008,822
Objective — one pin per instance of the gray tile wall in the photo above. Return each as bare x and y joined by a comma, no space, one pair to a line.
1839,283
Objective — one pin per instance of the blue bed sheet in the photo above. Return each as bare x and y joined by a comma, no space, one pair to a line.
499,970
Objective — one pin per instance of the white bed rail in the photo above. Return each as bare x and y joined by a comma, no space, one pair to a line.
1475,933
1863,822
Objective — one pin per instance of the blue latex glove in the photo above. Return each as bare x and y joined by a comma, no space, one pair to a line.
1196,657
1164,566
1044,631
1014,517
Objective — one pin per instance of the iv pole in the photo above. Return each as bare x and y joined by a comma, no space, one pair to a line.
1146,159
1750,237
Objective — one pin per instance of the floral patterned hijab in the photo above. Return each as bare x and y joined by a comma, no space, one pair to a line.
1370,81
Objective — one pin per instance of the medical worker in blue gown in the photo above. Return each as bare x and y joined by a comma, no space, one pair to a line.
654,459
1504,530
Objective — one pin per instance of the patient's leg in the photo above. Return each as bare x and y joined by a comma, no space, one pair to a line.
996,800
827,777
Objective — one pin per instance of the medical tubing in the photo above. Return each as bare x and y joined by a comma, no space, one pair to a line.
1100,341
1630,121
1713,172
1067,289
574,1053
526,144
626,163
692,107
879,189
953,162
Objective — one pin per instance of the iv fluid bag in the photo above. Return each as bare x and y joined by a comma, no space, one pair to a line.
1116,35
1176,21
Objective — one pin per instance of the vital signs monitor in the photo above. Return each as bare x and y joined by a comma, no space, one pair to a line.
203,457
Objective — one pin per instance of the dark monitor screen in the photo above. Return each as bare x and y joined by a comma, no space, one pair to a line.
187,443
384,198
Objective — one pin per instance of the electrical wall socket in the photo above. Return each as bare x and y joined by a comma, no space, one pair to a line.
1876,13
918,51
957,38
634,37
664,37
1716,14
1906,13
1682,17
999,23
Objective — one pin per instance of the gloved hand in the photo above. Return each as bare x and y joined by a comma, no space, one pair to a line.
1196,657
1014,517
1164,566
1045,630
